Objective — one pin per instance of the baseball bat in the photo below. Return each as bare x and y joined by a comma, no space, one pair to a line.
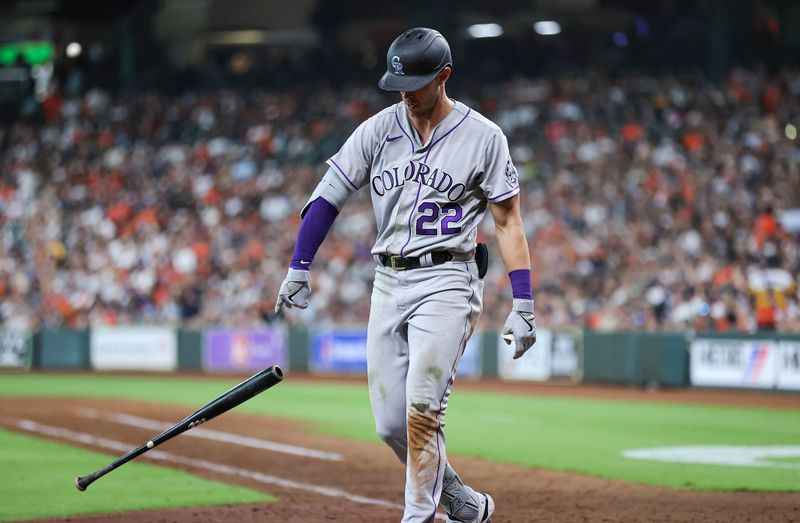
242,392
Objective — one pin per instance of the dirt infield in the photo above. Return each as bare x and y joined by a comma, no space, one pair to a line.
370,472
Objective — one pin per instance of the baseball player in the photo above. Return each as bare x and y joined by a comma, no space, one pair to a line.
432,166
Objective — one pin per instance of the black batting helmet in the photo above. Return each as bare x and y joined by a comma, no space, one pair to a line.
414,59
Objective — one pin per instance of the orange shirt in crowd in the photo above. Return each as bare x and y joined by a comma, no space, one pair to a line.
632,132
694,141
765,227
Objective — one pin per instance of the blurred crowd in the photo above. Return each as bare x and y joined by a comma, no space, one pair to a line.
649,203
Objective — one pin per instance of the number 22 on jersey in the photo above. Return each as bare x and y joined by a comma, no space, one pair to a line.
429,216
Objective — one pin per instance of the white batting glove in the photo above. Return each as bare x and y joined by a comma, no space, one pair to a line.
520,326
294,291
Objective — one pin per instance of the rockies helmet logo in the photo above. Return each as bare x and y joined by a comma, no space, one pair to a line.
398,67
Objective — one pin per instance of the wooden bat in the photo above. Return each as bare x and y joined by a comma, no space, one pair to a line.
236,396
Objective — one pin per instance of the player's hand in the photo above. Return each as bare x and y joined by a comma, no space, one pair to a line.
294,291
520,327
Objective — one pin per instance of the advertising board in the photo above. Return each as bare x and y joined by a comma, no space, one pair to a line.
733,362
234,350
133,348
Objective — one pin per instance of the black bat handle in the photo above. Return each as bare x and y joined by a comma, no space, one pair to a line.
83,482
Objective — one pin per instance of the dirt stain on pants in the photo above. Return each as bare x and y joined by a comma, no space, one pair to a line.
423,452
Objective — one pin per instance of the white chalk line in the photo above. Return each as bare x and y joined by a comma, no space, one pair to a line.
214,435
160,455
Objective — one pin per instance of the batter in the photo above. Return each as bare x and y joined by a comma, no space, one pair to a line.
432,166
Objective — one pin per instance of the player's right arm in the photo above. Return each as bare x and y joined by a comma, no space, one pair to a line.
318,216
348,171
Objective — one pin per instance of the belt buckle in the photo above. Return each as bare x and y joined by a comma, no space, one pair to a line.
397,263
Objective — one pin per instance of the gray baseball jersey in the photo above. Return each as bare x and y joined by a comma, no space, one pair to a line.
430,196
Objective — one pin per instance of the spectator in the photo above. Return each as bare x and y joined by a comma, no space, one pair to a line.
649,203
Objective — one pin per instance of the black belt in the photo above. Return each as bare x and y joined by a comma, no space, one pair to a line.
400,263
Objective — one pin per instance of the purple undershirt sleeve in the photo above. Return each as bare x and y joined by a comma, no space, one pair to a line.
316,223
521,284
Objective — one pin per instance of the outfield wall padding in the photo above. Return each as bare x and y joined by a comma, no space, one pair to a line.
608,357
190,349
62,349
299,348
489,360
662,359
635,358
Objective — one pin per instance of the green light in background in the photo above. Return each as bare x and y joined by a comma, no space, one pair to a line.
33,53
38,53
8,54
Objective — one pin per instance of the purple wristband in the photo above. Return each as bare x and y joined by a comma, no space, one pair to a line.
521,284
316,222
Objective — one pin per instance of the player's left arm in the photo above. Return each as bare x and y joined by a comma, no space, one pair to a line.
510,234
521,323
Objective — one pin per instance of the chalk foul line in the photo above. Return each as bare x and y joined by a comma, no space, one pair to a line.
214,435
160,455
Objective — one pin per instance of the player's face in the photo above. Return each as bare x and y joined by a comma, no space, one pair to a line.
420,103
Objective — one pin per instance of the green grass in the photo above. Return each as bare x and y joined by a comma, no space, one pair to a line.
38,476
571,434
788,461
590,435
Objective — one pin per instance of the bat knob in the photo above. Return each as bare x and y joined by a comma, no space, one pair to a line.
78,484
